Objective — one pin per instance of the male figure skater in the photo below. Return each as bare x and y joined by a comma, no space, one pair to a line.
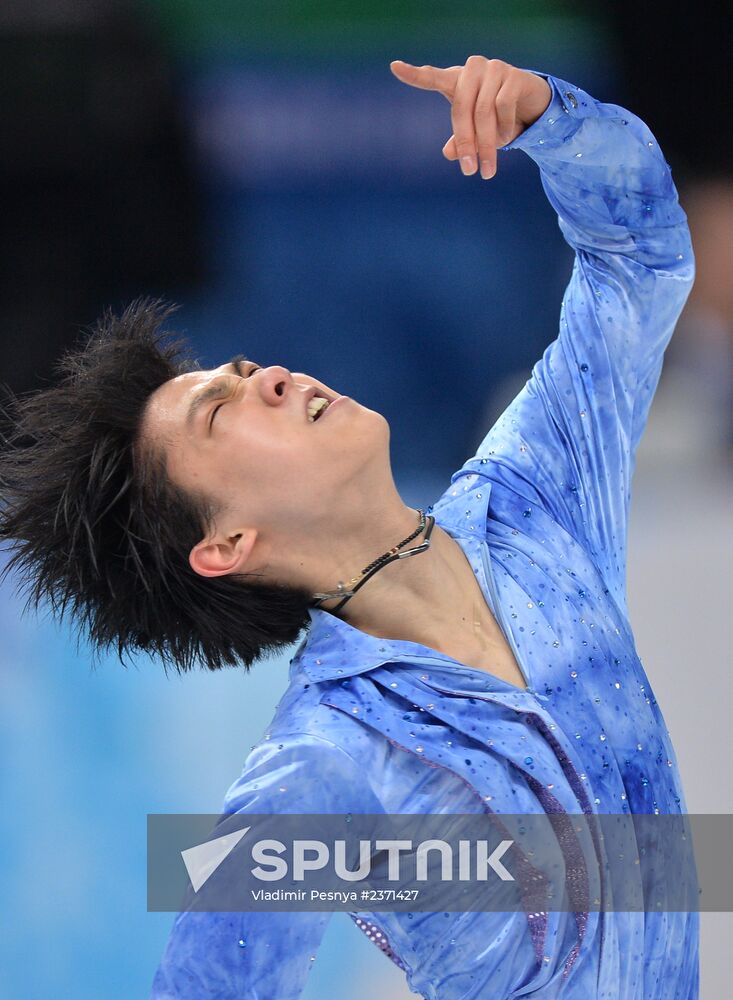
208,515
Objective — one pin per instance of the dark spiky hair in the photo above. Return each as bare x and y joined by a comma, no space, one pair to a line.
98,529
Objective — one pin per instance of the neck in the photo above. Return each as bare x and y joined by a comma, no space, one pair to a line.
420,599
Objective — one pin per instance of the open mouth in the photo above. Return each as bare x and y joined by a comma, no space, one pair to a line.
316,407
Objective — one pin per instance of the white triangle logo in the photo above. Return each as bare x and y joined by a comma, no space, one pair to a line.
202,861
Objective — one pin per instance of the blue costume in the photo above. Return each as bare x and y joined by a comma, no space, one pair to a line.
541,514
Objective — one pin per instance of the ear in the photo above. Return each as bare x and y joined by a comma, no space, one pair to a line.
221,555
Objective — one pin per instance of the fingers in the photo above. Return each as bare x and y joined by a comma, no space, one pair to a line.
486,127
506,110
462,112
483,95
494,122
427,77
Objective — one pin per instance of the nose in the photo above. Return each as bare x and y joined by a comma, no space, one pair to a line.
275,384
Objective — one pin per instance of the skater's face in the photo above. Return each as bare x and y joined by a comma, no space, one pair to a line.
243,435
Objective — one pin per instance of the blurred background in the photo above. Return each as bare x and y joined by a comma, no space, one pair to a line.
258,163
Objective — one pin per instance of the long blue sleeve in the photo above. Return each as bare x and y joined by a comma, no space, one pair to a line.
264,955
572,432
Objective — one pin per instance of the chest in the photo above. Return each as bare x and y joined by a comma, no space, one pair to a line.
486,648
556,628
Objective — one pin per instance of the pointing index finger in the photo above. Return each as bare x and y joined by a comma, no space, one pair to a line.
426,77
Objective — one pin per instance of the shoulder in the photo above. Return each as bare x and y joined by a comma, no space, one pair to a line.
301,772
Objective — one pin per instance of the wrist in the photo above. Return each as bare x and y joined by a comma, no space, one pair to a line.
535,100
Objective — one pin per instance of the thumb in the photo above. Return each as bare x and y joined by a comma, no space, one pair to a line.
450,150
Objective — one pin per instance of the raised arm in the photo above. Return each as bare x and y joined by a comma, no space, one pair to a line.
572,432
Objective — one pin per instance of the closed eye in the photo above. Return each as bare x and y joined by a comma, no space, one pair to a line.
255,368
214,413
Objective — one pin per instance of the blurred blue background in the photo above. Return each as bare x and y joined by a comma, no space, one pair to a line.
259,164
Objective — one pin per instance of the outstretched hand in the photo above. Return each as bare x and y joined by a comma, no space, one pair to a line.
491,104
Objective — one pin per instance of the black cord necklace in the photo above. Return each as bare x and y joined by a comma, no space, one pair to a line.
394,553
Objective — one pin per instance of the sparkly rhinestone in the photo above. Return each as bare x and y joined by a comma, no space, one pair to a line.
242,943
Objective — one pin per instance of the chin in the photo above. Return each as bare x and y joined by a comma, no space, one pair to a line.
369,442
379,425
